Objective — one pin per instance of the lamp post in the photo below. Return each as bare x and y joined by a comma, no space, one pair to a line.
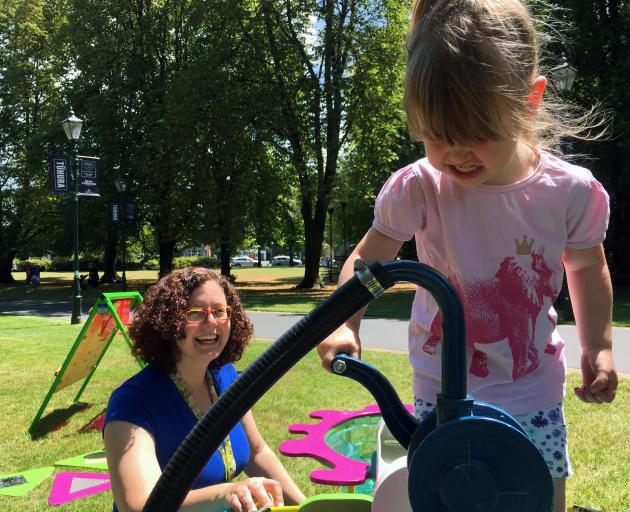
121,187
72,128
563,77
343,220
330,242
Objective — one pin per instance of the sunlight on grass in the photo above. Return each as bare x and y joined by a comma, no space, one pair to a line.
32,349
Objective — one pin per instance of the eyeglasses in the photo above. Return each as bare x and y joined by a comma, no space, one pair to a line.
198,315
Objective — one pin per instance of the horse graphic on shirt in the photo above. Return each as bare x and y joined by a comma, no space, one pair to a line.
504,307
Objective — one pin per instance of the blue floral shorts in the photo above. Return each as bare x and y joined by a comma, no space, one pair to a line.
547,430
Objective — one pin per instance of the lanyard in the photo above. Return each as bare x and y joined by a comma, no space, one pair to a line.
225,449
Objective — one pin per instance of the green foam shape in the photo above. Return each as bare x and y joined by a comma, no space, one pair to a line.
33,478
340,502
87,460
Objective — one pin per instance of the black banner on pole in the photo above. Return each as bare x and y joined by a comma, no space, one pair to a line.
88,175
58,166
115,210
130,214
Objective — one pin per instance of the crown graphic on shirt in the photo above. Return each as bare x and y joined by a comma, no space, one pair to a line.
524,246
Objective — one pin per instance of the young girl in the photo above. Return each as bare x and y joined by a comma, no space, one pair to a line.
500,217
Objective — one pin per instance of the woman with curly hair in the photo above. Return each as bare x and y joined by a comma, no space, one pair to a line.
189,330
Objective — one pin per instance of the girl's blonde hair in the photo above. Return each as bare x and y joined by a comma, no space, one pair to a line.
470,69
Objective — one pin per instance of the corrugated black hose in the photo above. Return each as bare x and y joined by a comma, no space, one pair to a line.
196,449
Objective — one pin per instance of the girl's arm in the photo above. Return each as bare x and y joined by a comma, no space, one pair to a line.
375,246
134,470
264,462
590,289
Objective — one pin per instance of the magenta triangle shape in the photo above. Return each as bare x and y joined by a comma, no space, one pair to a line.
69,486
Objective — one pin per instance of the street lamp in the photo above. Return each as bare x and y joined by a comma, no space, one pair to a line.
121,187
563,76
72,128
330,242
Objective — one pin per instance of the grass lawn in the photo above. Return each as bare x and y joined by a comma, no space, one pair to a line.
32,348
261,289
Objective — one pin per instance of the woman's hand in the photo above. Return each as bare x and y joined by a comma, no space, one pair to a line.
250,494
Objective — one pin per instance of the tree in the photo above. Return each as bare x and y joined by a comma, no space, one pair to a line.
29,125
314,53
600,55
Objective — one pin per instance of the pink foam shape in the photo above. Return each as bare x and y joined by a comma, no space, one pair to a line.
343,470
61,491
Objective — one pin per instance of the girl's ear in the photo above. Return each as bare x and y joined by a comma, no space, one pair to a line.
535,96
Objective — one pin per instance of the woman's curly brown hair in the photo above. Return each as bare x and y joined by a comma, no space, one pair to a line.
159,321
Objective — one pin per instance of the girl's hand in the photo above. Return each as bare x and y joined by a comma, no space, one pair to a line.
250,494
599,377
343,341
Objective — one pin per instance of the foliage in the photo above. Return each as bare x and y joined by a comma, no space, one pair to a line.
599,50
29,68
44,264
195,261
237,121
318,60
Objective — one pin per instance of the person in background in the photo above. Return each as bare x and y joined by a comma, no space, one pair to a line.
93,278
503,218
29,272
189,330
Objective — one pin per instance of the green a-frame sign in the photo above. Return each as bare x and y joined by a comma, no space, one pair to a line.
109,316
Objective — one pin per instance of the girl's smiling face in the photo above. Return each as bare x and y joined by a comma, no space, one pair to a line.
485,163
205,341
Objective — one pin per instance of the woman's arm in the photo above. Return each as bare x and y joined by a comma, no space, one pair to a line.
264,462
591,296
134,470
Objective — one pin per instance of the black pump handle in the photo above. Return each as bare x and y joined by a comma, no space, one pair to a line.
400,422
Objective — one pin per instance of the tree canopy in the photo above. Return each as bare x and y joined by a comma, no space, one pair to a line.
242,121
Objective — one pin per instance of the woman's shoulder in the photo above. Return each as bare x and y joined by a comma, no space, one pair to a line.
149,378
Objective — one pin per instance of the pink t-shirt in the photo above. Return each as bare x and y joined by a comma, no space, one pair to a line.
501,247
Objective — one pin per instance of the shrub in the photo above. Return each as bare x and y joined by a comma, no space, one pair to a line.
152,264
63,264
43,264
194,261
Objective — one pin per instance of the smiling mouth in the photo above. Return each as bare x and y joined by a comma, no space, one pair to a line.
207,340
465,172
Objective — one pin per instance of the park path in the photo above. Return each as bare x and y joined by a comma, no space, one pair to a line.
376,333
388,334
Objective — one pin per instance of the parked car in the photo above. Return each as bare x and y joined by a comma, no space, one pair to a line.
242,261
278,261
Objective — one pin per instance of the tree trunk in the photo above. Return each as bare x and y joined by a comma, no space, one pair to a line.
109,257
313,238
226,254
6,263
166,257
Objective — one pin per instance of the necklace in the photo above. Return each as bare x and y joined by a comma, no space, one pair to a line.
225,449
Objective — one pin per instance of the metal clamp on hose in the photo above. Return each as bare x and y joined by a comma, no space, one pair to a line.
367,279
